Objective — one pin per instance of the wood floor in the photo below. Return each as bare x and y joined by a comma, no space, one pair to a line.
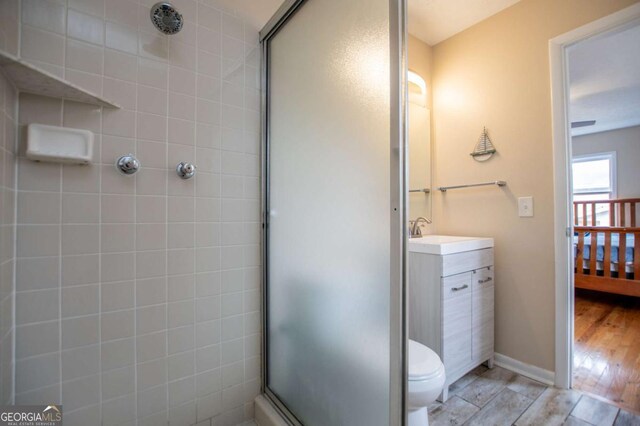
500,397
607,347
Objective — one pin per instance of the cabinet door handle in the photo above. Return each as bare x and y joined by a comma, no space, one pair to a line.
460,288
486,280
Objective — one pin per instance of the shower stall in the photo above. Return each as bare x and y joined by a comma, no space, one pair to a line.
334,212
145,279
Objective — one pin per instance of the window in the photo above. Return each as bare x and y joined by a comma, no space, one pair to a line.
594,178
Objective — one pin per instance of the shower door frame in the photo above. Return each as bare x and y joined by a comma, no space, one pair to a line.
398,206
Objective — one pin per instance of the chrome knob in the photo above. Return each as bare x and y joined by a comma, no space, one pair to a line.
128,164
186,170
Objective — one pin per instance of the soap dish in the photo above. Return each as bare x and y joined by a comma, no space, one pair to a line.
59,144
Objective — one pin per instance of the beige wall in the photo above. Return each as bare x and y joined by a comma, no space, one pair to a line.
420,62
496,74
626,144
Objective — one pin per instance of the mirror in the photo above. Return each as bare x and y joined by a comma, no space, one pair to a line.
419,147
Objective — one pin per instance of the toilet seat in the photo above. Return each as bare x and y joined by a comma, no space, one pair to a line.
426,379
424,364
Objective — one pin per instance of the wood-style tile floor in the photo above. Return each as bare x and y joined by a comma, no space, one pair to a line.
606,353
500,397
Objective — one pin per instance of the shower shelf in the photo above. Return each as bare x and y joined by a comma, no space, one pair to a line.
29,78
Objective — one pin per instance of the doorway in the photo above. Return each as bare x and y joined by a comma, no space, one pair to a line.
604,115
596,134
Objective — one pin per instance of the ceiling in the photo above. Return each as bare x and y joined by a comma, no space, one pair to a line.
433,21
256,12
604,70
604,76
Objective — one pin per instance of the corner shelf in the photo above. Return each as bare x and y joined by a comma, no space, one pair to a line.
31,79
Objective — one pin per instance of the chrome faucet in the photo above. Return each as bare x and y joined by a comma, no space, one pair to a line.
414,227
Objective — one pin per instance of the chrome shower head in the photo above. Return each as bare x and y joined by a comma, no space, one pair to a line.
166,18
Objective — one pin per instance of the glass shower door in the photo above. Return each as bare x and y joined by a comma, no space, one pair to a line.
334,210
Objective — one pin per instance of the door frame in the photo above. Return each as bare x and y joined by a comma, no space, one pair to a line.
563,228
398,334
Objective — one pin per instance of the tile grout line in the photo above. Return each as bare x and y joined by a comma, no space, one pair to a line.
14,234
194,370
166,223
533,400
498,393
491,399
99,155
244,236
220,223
136,420
60,229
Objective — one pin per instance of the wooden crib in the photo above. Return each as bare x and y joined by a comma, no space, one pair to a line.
601,268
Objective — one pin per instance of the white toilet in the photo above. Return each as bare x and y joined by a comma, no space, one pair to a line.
426,379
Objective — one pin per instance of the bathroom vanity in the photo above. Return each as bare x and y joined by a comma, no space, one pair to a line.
451,301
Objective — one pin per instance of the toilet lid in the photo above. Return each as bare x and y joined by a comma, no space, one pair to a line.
423,362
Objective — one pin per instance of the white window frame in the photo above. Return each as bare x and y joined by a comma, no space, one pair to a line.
613,174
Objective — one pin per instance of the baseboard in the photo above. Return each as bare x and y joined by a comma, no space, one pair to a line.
266,414
531,371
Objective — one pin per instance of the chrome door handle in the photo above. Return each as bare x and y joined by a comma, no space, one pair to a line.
485,280
460,288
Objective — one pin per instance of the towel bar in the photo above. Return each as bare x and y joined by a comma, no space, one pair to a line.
495,182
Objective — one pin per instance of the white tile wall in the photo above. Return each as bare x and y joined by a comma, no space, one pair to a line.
10,26
9,41
8,102
138,297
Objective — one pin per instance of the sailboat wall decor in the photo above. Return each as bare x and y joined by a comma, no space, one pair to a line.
484,148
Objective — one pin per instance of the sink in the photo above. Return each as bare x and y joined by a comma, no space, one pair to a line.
447,244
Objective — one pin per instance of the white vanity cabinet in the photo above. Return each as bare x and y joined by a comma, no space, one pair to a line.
451,308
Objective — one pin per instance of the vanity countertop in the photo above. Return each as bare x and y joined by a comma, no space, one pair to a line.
447,244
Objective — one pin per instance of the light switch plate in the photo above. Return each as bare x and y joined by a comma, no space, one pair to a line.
525,206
